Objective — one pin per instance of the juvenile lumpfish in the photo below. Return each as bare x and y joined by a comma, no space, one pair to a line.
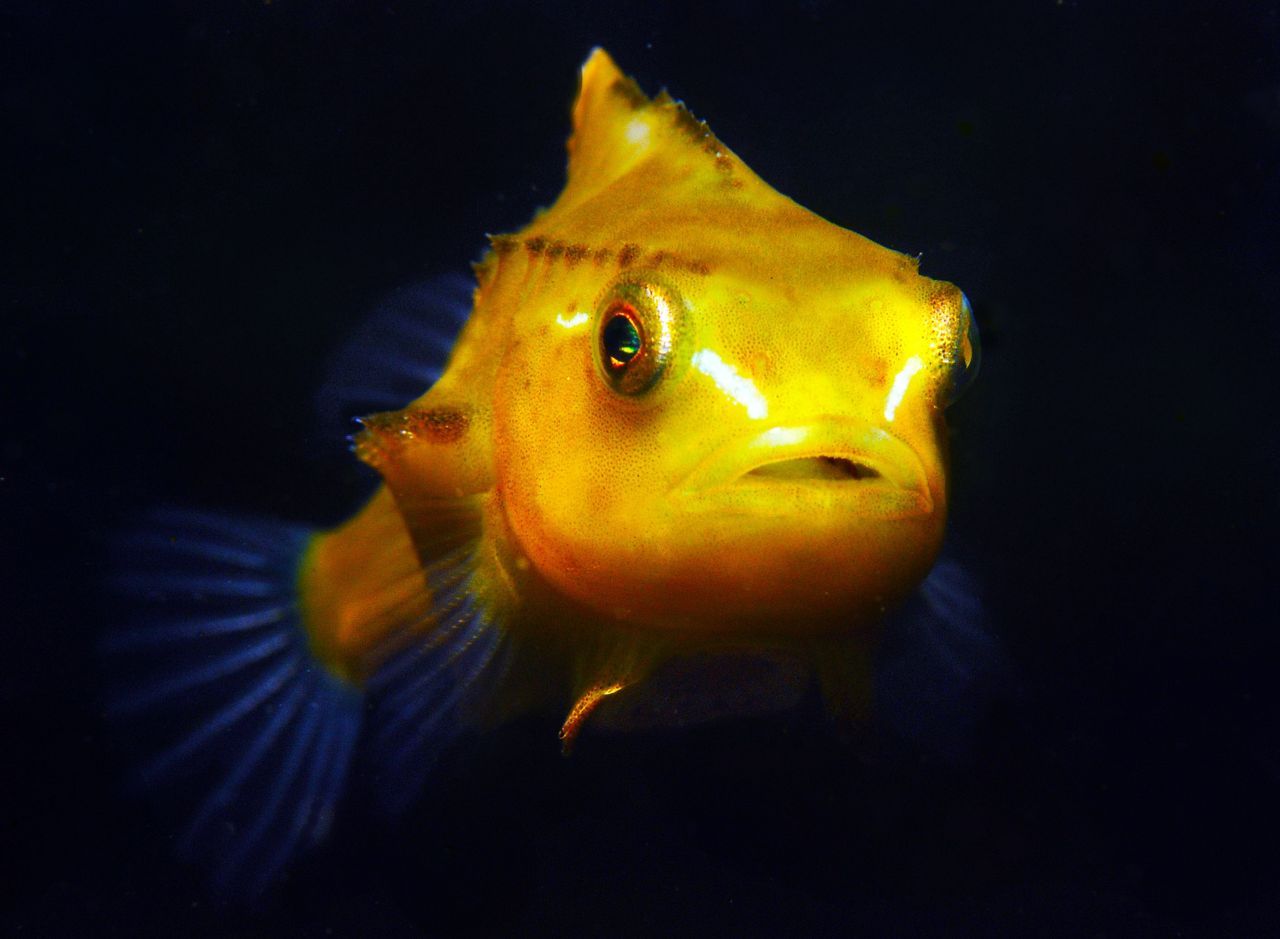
685,417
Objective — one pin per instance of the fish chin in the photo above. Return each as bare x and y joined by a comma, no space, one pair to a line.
805,573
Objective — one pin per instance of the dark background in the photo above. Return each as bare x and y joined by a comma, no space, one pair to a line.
200,200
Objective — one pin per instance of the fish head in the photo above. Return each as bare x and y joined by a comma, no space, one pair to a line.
709,408
715,408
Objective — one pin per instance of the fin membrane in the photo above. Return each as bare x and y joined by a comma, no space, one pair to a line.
211,680
395,355
422,697
940,668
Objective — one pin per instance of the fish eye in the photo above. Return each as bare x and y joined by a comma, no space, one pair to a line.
638,323
967,356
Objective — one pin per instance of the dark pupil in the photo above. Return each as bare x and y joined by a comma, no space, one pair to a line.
621,340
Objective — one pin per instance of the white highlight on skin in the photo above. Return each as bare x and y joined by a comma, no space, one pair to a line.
727,379
664,338
637,131
782,436
576,320
900,383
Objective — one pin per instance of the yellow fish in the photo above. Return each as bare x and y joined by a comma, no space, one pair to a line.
685,417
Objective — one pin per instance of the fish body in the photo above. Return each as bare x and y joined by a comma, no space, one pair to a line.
684,417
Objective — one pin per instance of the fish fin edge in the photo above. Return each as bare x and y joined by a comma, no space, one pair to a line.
212,684
941,668
432,691
394,356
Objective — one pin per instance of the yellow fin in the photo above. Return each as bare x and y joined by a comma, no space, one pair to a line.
398,604
617,129
610,133
362,590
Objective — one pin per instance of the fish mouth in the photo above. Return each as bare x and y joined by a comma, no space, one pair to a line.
832,462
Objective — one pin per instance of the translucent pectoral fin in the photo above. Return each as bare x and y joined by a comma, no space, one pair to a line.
430,691
394,600
940,668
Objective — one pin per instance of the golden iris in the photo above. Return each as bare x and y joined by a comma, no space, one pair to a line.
639,323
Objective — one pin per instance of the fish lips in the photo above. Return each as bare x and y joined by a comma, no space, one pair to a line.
832,464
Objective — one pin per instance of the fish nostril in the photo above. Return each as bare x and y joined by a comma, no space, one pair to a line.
826,468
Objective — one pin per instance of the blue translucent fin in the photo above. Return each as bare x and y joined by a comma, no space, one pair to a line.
395,355
422,695
236,725
940,668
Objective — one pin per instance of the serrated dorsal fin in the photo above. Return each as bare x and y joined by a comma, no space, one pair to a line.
617,128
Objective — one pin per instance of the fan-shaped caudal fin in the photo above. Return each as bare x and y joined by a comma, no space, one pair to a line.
214,683
239,665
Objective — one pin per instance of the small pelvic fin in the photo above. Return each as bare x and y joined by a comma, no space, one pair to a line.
604,665
212,678
395,355
582,709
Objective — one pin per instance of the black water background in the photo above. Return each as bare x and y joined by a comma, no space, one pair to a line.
200,200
